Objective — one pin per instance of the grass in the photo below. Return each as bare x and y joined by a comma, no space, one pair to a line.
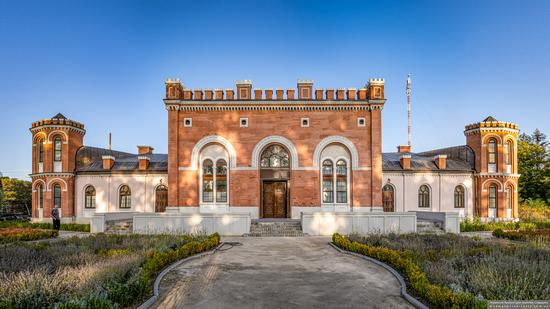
99,271
487,269
47,226
12,234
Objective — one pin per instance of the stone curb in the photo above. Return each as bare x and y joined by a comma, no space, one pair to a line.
156,293
415,302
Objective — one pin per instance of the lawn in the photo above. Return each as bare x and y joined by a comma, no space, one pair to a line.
100,271
457,269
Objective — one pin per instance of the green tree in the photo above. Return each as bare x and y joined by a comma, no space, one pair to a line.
534,166
17,194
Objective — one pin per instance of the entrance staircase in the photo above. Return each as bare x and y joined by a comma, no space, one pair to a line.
429,227
275,228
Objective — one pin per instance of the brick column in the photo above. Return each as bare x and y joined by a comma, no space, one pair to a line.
376,158
173,158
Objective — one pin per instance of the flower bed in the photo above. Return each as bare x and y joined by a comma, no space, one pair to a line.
541,237
12,234
76,227
436,296
100,271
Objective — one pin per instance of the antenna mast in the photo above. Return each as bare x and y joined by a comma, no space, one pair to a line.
409,107
110,141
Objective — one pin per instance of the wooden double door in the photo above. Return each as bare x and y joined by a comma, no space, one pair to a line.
274,199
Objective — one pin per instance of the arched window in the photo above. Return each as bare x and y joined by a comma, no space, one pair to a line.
328,185
39,196
57,195
40,151
208,181
89,197
493,196
424,196
509,197
57,148
388,198
124,197
459,197
161,198
508,156
275,156
341,182
492,156
221,181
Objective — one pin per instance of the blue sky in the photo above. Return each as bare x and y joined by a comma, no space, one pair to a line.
103,63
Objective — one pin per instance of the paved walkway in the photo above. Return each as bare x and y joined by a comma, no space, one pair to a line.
297,272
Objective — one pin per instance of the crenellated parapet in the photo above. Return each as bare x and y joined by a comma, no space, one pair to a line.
372,92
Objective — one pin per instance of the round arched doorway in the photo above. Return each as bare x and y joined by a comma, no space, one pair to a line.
274,178
388,198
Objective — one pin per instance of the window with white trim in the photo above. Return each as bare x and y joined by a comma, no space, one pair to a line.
40,196
124,197
214,181
492,156
328,194
459,197
57,146
493,196
57,196
424,196
335,181
89,197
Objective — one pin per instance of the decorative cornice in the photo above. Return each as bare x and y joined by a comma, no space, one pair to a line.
59,174
180,105
497,175
57,127
490,130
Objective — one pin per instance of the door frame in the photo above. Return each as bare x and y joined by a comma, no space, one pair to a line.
287,197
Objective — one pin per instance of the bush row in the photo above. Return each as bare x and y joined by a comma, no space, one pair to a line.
523,235
435,295
76,227
12,234
136,289
477,225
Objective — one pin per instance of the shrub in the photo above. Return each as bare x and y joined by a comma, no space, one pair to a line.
76,227
435,295
24,234
541,235
534,211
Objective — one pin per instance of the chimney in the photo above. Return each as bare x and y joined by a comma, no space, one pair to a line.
279,93
319,94
143,150
330,94
305,89
108,162
441,161
229,94
219,94
269,94
404,149
143,162
405,161
290,94
173,89
208,94
244,89
257,94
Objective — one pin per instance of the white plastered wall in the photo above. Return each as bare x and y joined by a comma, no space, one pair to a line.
142,186
442,186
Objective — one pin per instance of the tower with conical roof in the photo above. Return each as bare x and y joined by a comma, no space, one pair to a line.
55,142
496,179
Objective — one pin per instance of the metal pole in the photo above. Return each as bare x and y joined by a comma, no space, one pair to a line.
409,108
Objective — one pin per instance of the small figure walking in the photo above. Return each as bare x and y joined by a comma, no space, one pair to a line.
56,219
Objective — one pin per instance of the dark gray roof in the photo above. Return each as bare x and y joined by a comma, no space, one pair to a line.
59,116
89,159
459,159
490,118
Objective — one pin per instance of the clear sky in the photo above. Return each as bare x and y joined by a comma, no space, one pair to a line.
104,63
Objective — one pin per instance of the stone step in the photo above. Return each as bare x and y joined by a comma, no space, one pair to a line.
290,228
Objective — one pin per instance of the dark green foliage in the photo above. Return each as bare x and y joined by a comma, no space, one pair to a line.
534,166
75,227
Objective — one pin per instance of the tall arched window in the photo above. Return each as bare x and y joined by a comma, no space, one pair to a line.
328,194
492,156
124,197
89,197
221,181
39,196
57,148
57,195
207,181
493,196
388,198
508,156
341,182
40,151
424,196
459,197
275,156
509,197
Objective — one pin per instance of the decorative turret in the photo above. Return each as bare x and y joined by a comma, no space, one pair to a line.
55,143
495,146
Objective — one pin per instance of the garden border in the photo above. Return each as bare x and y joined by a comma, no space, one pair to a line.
413,301
149,302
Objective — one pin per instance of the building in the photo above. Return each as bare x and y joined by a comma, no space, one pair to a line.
274,154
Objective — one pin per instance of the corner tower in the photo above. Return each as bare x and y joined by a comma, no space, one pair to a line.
496,179
55,142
